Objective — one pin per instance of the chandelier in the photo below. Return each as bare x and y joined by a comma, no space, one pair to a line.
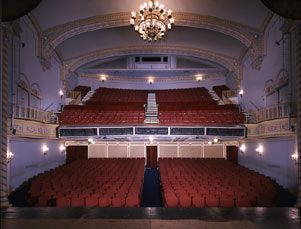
152,21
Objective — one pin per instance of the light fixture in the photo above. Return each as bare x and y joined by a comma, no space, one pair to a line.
241,92
103,77
61,93
295,157
215,140
62,148
45,149
242,148
152,21
91,141
9,156
209,142
151,139
199,77
259,149
150,80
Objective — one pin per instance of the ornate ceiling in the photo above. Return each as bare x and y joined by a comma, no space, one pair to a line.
82,31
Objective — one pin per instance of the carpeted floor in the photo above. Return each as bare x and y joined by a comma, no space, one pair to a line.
151,195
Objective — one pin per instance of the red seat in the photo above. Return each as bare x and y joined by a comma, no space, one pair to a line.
212,202
171,201
132,201
63,202
198,201
104,201
77,202
118,201
185,201
91,201
226,202
243,202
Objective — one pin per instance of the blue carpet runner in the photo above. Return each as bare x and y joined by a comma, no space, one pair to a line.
151,195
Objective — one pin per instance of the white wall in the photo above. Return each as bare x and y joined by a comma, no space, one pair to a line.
275,161
26,62
274,59
28,160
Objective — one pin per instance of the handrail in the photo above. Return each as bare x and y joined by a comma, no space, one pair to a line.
29,113
76,96
278,111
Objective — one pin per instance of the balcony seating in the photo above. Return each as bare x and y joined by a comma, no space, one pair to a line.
219,90
82,89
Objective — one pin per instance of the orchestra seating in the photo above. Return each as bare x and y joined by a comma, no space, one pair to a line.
82,89
213,183
219,90
99,182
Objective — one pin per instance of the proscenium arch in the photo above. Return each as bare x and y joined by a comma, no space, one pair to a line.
56,35
229,63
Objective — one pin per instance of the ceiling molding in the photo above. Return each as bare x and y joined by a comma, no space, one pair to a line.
52,37
231,64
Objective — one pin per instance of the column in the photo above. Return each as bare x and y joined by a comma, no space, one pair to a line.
5,36
298,83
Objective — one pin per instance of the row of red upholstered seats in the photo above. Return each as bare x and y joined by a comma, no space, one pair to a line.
213,183
113,96
82,115
183,95
82,89
203,117
93,182
219,90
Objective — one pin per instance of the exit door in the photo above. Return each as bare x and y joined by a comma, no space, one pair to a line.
232,154
151,157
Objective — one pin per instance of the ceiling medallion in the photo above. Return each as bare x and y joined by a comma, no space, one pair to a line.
152,21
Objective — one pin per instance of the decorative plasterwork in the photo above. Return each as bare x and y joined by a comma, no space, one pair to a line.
73,64
158,79
274,128
33,129
52,37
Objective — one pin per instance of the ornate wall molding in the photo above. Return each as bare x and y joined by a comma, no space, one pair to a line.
273,128
71,65
33,129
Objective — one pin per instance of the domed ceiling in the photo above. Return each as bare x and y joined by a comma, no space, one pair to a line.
84,33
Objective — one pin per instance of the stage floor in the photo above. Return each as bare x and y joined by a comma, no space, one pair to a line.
149,217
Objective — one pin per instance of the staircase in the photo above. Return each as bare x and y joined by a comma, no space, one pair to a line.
151,114
87,97
216,97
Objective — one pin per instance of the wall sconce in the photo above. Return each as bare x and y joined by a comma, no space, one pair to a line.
62,148
242,148
9,156
151,81
45,149
103,78
91,141
259,150
199,77
210,142
215,140
151,139
295,157
61,93
241,92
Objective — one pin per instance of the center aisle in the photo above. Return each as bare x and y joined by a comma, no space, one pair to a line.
151,196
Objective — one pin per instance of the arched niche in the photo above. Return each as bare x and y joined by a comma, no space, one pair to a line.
23,90
35,96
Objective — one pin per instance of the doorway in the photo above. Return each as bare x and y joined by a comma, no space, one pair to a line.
151,157
74,153
232,154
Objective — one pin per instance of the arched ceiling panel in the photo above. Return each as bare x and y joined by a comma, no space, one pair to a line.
51,13
125,36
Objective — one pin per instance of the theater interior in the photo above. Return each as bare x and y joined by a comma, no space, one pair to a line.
169,114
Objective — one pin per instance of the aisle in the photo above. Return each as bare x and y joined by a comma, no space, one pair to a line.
151,195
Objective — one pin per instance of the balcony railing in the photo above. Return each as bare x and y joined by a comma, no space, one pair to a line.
75,96
273,112
227,94
29,113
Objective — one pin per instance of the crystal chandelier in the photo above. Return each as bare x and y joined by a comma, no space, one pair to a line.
152,21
